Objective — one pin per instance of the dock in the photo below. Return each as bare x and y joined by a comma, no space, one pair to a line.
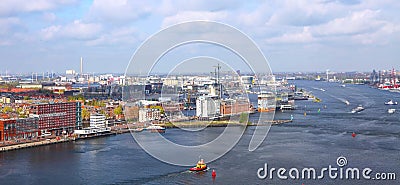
126,130
272,122
31,144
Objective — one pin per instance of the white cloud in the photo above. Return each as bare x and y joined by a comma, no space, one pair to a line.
385,34
75,30
49,17
6,24
194,15
172,7
356,23
304,36
126,35
50,32
8,7
118,11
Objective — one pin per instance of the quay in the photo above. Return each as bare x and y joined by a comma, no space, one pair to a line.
31,144
125,129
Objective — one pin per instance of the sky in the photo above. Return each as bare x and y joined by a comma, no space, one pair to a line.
295,36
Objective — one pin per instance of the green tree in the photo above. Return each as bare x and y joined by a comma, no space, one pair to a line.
158,107
85,114
7,109
243,118
118,110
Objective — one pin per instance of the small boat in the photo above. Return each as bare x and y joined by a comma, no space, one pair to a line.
347,102
358,109
391,111
343,85
136,129
156,128
200,166
317,100
391,102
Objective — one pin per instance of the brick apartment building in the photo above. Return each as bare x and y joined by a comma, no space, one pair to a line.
11,129
58,117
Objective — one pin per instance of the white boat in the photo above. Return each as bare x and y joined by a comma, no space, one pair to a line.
391,102
156,128
391,111
347,102
358,109
135,129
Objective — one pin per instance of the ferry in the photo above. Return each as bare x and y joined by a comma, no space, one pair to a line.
156,128
201,166
391,102
358,109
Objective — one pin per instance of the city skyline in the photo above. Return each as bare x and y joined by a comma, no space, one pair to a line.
51,36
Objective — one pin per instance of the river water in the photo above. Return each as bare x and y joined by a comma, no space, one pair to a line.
314,140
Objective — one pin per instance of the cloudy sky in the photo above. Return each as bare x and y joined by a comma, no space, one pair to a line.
302,35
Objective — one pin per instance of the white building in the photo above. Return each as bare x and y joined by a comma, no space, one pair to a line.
207,106
97,126
146,114
97,120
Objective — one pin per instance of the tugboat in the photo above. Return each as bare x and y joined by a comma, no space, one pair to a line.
201,166
390,102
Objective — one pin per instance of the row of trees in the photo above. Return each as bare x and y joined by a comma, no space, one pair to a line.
19,111
118,111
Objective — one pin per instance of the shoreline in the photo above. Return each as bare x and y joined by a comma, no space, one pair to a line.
125,129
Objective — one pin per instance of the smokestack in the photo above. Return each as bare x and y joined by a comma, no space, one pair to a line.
81,67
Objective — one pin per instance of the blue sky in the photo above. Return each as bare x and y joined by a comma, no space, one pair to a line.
302,35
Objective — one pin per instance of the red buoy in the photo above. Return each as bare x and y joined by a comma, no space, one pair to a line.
353,135
214,174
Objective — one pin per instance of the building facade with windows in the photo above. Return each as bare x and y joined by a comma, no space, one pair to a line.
13,129
57,117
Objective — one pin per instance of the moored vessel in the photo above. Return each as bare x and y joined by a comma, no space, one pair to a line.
156,128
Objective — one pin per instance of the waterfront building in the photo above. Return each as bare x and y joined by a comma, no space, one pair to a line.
232,107
97,126
8,129
247,81
57,117
27,128
97,120
13,129
207,106
147,114
131,112
266,102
